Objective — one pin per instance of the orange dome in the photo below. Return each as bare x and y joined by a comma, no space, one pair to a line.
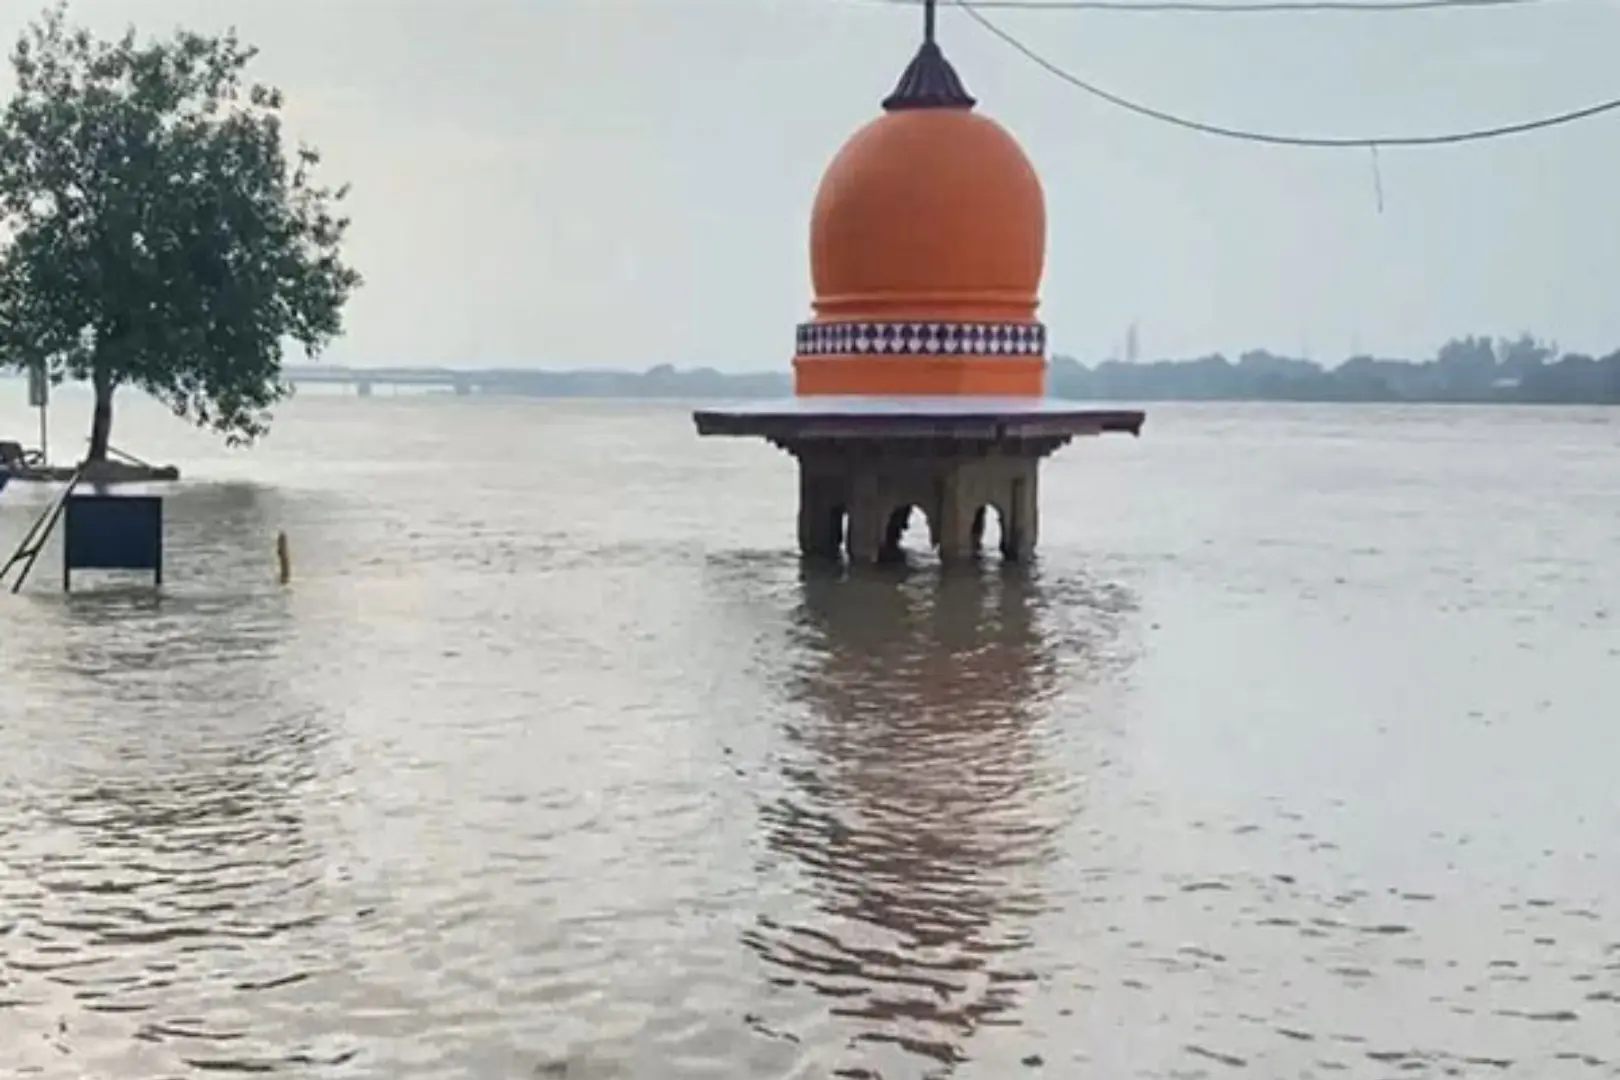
929,214
927,244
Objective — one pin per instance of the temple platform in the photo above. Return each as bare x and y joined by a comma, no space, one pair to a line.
866,464
920,417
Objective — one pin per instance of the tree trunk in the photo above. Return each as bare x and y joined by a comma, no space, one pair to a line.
101,418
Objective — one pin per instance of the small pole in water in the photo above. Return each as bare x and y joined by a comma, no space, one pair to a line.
39,396
283,558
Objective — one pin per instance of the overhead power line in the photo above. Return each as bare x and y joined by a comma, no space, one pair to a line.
970,7
1238,7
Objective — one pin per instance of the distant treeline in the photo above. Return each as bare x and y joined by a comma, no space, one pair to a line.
1471,369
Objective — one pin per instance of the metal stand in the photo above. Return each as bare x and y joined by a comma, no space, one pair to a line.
33,541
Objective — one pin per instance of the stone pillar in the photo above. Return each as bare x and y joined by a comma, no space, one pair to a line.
868,518
1020,528
953,493
821,507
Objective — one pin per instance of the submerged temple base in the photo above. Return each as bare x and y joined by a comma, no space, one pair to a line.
866,465
857,497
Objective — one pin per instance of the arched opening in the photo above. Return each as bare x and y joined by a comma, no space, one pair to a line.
907,530
988,529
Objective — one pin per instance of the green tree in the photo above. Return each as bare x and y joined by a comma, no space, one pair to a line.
158,234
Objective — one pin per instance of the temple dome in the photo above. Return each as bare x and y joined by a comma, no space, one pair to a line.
927,244
929,213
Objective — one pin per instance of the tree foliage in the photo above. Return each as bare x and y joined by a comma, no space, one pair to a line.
157,232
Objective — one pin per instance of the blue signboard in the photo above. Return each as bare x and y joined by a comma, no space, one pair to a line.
113,532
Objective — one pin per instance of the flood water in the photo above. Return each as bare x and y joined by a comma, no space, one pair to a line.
1292,758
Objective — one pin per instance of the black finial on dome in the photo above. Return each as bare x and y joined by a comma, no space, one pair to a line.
929,81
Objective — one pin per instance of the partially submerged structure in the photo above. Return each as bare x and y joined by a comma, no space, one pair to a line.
921,380
20,464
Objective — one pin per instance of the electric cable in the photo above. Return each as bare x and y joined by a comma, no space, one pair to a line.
1238,7
1271,138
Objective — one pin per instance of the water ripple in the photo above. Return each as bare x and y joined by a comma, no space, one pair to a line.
1286,760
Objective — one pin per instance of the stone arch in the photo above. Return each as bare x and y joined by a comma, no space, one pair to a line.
895,526
989,527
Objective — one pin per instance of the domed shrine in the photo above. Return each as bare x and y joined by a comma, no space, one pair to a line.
920,378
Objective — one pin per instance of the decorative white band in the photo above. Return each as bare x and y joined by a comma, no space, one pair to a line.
921,339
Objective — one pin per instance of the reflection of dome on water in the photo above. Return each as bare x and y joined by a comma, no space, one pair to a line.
921,809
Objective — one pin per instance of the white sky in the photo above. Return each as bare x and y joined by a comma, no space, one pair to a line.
591,183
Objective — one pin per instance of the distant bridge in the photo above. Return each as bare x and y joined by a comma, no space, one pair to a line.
364,380
658,382
662,381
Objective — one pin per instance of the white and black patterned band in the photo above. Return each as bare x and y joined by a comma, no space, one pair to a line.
921,339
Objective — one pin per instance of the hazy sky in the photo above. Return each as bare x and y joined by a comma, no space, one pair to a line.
627,182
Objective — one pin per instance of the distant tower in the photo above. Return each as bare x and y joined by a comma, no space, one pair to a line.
1132,347
921,380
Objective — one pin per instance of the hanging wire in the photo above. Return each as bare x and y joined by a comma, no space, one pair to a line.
1240,7
1271,138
